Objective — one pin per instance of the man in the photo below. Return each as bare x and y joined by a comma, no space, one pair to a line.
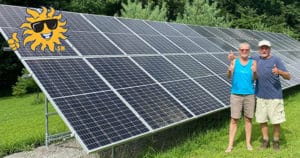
243,73
269,103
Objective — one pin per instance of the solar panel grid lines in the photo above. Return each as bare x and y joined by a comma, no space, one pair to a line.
184,29
123,79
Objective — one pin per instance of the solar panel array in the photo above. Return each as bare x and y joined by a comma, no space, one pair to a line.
119,79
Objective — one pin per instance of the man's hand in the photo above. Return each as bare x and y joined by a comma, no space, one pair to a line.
253,67
275,70
14,42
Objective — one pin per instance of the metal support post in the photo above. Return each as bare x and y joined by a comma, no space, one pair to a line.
46,122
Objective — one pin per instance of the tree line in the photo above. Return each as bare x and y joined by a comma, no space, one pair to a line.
282,16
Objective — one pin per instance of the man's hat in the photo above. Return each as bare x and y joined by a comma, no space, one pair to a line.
264,43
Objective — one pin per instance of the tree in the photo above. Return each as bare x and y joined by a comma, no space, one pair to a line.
200,12
149,11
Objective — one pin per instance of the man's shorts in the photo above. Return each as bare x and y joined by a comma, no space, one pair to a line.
239,102
271,109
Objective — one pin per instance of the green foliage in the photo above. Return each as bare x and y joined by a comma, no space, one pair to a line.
24,85
200,12
149,11
10,67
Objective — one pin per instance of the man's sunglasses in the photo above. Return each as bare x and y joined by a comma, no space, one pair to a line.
39,26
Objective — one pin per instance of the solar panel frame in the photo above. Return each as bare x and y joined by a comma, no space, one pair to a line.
79,55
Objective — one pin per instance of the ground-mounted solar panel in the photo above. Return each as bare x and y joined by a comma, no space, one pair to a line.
12,16
202,31
121,72
164,29
193,96
131,44
100,119
187,45
138,26
206,44
119,79
160,68
212,63
92,43
76,22
189,65
162,44
222,44
211,83
184,29
107,24
64,77
155,105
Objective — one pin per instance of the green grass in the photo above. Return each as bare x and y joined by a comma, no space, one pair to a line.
22,127
22,123
212,142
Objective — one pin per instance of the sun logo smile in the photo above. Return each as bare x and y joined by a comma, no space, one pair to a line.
42,28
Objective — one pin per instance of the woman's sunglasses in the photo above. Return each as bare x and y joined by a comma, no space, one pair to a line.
39,26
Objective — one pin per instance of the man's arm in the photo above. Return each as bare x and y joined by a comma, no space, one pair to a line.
286,75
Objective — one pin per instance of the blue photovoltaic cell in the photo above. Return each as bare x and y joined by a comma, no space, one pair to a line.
212,63
155,105
131,44
218,32
160,68
27,52
164,28
64,77
12,16
202,31
75,22
186,45
120,72
92,43
223,57
225,46
161,44
193,96
229,33
189,65
100,118
107,24
184,29
206,44
138,26
217,87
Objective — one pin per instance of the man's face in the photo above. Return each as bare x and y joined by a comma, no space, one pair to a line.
264,51
244,51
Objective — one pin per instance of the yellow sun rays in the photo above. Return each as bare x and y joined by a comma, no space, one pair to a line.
37,38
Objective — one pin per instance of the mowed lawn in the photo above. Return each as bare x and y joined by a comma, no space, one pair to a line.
213,142
22,123
22,127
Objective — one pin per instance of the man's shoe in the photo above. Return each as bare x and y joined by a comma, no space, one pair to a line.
276,145
265,144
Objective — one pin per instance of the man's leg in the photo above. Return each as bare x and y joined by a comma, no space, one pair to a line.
276,134
264,131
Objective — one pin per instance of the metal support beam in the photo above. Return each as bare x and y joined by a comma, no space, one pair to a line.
46,122
112,152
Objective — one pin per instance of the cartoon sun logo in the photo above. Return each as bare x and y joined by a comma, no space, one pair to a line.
42,28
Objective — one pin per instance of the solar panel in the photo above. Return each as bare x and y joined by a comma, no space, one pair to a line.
155,105
194,97
119,79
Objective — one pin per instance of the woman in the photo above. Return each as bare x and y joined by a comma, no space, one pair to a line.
243,73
